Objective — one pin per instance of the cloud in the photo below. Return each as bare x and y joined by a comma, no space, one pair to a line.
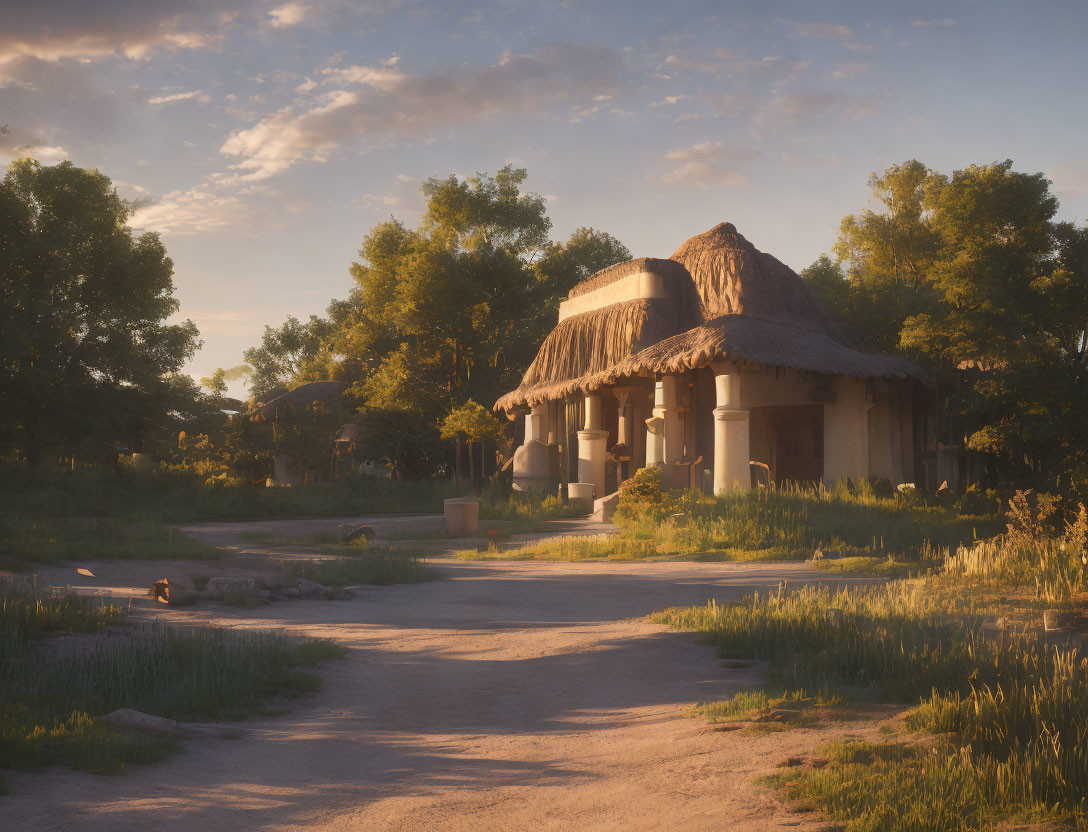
769,68
187,212
814,105
162,100
386,101
666,101
289,14
17,142
849,69
829,31
707,164
81,29
943,23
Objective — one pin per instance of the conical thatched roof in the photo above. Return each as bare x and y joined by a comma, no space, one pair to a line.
733,277
730,301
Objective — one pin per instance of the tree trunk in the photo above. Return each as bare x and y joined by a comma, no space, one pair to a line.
471,464
458,470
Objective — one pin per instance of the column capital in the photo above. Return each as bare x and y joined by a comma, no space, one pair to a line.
592,434
730,414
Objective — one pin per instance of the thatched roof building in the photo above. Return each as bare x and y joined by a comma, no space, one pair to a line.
718,306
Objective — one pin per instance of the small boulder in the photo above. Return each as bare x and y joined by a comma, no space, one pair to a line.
309,589
145,722
288,592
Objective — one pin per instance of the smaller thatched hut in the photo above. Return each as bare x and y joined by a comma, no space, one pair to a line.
710,364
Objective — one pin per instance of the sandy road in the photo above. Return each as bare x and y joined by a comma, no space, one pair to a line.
508,696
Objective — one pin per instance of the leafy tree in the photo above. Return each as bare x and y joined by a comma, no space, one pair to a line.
216,382
971,276
284,354
449,312
563,265
86,358
474,424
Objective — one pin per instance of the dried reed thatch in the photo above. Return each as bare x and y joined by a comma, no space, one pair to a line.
582,349
730,301
732,276
765,342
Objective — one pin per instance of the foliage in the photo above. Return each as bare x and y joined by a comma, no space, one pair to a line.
472,422
86,358
284,355
646,496
972,276
447,313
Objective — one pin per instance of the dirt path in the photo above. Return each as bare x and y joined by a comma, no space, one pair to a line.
508,696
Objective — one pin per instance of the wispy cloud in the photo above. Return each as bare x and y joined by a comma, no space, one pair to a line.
386,101
192,95
289,14
828,31
849,69
811,105
707,164
16,142
943,22
198,209
80,29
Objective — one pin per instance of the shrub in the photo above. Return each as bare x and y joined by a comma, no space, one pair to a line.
646,496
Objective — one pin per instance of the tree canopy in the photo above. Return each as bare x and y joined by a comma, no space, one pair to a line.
971,275
442,315
86,356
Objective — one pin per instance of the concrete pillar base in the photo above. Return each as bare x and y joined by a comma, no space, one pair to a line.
591,458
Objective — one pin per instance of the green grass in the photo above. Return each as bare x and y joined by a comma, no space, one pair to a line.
380,568
48,700
35,540
175,497
29,611
848,522
1009,717
179,496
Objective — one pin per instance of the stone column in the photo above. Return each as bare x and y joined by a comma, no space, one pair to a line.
655,429
591,445
667,406
731,454
531,468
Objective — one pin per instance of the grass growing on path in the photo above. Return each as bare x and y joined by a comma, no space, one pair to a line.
27,541
1008,717
48,700
375,567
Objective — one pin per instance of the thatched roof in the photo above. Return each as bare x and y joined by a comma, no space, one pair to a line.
750,306
304,394
765,342
732,276
583,348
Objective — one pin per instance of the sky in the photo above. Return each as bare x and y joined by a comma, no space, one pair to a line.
263,140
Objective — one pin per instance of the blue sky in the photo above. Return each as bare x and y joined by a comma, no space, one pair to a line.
263,139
